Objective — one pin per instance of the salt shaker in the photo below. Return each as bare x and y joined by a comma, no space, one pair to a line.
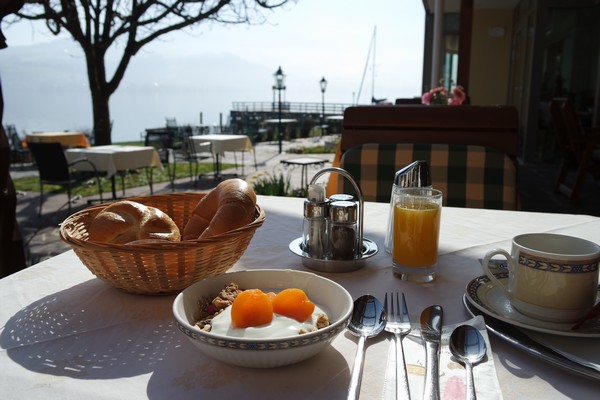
344,230
413,175
315,238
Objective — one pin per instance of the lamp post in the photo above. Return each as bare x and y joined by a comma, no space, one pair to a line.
279,86
323,84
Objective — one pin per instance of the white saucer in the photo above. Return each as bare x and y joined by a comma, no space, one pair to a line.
491,300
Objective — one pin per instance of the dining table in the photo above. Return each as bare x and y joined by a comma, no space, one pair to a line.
67,334
304,163
67,138
112,159
220,143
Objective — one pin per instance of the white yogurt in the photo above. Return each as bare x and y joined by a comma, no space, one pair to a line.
279,327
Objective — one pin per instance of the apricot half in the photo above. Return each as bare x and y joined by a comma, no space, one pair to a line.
293,303
252,307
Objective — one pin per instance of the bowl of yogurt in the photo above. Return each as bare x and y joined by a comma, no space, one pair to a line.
283,340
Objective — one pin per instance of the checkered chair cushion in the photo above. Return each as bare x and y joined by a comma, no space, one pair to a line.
468,176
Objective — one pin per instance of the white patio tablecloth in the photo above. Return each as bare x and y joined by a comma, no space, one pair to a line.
223,143
65,334
113,158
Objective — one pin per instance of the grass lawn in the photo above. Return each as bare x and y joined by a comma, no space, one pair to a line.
269,185
132,179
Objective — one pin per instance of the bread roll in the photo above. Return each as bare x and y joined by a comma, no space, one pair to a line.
127,221
230,205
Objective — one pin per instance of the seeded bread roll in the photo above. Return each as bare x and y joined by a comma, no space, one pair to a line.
127,221
230,205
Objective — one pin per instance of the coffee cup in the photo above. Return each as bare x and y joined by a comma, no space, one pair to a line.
550,277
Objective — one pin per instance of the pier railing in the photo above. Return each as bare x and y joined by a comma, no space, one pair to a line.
290,107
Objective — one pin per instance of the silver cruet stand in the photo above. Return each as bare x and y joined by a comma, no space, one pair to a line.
367,248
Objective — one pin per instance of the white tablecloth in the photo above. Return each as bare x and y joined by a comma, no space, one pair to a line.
66,334
223,143
113,158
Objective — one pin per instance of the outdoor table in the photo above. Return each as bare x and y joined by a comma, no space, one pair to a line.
66,334
304,162
222,143
67,139
114,158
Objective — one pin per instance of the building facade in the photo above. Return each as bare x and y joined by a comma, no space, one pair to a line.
518,52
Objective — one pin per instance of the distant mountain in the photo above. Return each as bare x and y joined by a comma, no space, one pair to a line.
45,88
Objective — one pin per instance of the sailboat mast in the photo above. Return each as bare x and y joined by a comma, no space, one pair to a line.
373,67
362,81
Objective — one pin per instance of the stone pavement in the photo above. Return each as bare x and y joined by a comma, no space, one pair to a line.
41,235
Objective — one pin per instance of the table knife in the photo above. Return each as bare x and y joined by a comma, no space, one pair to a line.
431,332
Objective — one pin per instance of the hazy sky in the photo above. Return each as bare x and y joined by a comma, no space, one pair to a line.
207,69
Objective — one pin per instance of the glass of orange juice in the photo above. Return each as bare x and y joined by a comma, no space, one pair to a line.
417,215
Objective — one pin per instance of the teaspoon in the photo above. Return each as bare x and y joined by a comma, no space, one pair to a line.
368,320
467,344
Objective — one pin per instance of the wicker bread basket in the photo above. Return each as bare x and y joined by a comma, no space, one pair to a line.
158,268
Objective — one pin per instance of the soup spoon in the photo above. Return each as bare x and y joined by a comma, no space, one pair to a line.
467,344
368,320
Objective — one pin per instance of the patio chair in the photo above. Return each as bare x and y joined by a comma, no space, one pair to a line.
468,175
489,126
54,169
579,146
18,153
171,122
162,140
196,152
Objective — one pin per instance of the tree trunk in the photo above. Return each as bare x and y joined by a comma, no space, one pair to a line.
100,90
101,110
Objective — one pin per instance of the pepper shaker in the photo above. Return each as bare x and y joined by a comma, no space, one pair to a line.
344,230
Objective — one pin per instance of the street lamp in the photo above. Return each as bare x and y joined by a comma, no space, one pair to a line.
279,86
323,84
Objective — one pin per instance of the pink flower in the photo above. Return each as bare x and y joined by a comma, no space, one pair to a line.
458,96
454,102
426,98
440,95
439,90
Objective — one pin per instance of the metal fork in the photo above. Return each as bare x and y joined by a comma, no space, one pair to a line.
398,323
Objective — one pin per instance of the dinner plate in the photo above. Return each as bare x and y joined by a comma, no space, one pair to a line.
492,300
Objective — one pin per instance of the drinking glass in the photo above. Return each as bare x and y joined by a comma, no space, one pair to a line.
417,216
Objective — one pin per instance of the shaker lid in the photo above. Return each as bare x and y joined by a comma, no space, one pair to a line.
341,197
414,175
343,211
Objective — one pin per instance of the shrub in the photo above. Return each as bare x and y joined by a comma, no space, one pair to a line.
271,185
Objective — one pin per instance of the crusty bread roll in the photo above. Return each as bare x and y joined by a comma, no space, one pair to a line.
127,221
230,205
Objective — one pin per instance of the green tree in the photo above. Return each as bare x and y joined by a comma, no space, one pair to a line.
124,27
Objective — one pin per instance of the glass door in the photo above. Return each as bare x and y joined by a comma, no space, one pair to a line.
569,68
571,59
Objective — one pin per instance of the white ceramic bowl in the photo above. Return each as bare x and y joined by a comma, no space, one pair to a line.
265,353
